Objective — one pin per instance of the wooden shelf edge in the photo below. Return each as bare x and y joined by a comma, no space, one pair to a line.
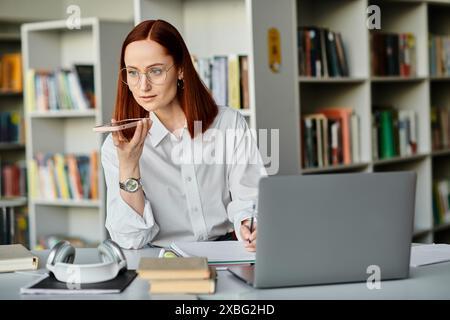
394,160
67,203
353,166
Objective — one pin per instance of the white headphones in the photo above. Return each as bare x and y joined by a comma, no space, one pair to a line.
62,255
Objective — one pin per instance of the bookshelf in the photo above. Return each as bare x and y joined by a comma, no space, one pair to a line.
278,100
12,149
50,45
220,38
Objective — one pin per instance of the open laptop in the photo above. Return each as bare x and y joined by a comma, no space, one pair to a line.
333,228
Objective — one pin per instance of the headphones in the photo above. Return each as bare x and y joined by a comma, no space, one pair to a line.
62,255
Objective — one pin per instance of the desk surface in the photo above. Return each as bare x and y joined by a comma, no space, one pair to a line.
427,282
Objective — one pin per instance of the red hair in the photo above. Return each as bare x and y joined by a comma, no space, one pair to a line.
195,99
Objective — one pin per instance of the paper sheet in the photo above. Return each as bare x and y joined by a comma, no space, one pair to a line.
429,254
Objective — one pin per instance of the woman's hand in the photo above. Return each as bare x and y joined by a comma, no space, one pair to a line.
248,236
129,152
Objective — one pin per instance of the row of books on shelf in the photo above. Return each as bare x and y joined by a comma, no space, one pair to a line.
321,53
394,132
393,54
11,72
58,176
331,137
21,229
440,128
439,48
226,76
11,127
13,178
441,201
61,89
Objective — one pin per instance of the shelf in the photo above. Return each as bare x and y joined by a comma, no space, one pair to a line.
5,93
63,114
421,233
440,153
13,201
11,146
399,159
303,79
397,79
439,78
9,36
441,227
353,166
67,203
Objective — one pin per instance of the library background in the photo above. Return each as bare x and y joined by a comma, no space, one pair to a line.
346,97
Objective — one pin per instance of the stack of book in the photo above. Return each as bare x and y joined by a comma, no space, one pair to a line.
331,137
226,77
394,132
393,54
11,72
440,128
441,201
178,275
58,176
16,257
439,48
321,53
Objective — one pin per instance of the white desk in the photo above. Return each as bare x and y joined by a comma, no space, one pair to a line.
428,282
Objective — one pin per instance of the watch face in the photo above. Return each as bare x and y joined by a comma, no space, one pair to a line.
131,185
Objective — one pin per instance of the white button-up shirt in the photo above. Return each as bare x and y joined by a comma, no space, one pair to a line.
195,189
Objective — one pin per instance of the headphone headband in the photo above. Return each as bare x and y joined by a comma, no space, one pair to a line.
61,257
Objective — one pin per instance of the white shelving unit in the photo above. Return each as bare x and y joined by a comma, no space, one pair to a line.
279,99
49,45
211,20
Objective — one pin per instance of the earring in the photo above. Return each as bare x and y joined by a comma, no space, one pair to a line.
180,84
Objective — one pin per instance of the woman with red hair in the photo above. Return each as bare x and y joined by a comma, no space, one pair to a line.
153,195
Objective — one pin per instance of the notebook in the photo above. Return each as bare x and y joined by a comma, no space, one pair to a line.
47,284
14,257
423,255
217,252
173,268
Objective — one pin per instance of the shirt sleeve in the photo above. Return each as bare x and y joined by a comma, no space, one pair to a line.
244,173
126,227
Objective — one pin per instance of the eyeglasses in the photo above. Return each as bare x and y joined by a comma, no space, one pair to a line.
155,75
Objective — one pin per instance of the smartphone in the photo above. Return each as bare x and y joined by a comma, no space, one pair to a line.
118,125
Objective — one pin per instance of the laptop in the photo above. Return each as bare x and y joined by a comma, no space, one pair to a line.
333,228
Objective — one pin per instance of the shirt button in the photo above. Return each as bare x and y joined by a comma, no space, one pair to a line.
195,209
188,179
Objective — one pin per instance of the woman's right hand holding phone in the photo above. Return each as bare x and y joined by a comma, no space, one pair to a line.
129,151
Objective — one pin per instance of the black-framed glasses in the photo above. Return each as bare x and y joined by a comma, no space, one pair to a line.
155,75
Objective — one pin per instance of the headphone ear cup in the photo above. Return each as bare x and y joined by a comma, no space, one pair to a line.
63,251
108,251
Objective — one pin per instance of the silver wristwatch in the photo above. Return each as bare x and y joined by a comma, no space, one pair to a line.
130,185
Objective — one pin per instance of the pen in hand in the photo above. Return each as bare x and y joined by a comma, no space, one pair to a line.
251,227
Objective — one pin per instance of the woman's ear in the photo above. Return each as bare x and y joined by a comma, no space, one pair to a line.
180,75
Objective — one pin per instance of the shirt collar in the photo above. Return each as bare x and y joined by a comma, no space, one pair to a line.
158,131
